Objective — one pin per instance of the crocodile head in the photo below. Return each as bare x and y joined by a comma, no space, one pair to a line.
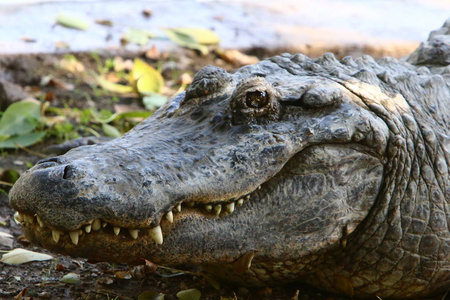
254,175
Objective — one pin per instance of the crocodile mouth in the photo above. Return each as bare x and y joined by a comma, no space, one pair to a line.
216,209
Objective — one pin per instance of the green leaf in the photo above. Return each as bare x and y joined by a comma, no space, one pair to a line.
199,35
154,101
191,294
110,131
20,256
113,87
24,140
70,21
145,78
4,137
135,114
137,36
20,118
186,40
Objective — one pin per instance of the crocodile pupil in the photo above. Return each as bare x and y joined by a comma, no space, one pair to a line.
256,99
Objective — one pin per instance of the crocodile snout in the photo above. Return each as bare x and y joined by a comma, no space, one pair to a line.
48,187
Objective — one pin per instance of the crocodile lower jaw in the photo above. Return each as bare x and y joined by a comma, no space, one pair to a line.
215,209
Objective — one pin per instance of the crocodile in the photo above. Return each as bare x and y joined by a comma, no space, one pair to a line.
328,172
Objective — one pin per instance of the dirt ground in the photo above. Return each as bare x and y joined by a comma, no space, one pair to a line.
42,280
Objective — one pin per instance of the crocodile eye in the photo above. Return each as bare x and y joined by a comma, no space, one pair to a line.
256,99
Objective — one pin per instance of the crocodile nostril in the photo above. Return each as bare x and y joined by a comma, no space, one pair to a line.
69,172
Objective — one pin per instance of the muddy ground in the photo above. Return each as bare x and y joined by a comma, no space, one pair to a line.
42,280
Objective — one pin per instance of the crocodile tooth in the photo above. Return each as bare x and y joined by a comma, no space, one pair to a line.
218,209
230,207
19,217
169,216
38,219
240,202
74,236
134,233
117,230
88,228
156,234
178,207
259,187
97,224
104,224
55,235
190,204
208,207
247,197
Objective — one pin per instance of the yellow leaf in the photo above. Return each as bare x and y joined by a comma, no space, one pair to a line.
113,87
200,35
145,78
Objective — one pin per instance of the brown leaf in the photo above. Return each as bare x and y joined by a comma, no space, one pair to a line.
185,79
105,22
27,39
153,53
21,295
49,96
295,297
120,64
60,84
61,45
150,267
147,13
122,275
243,264
238,58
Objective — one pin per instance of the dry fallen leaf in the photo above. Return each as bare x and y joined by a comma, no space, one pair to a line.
6,240
20,256
191,294
71,64
238,58
147,13
27,39
71,278
185,79
61,45
120,64
108,23
153,53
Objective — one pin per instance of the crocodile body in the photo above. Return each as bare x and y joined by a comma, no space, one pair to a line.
334,173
